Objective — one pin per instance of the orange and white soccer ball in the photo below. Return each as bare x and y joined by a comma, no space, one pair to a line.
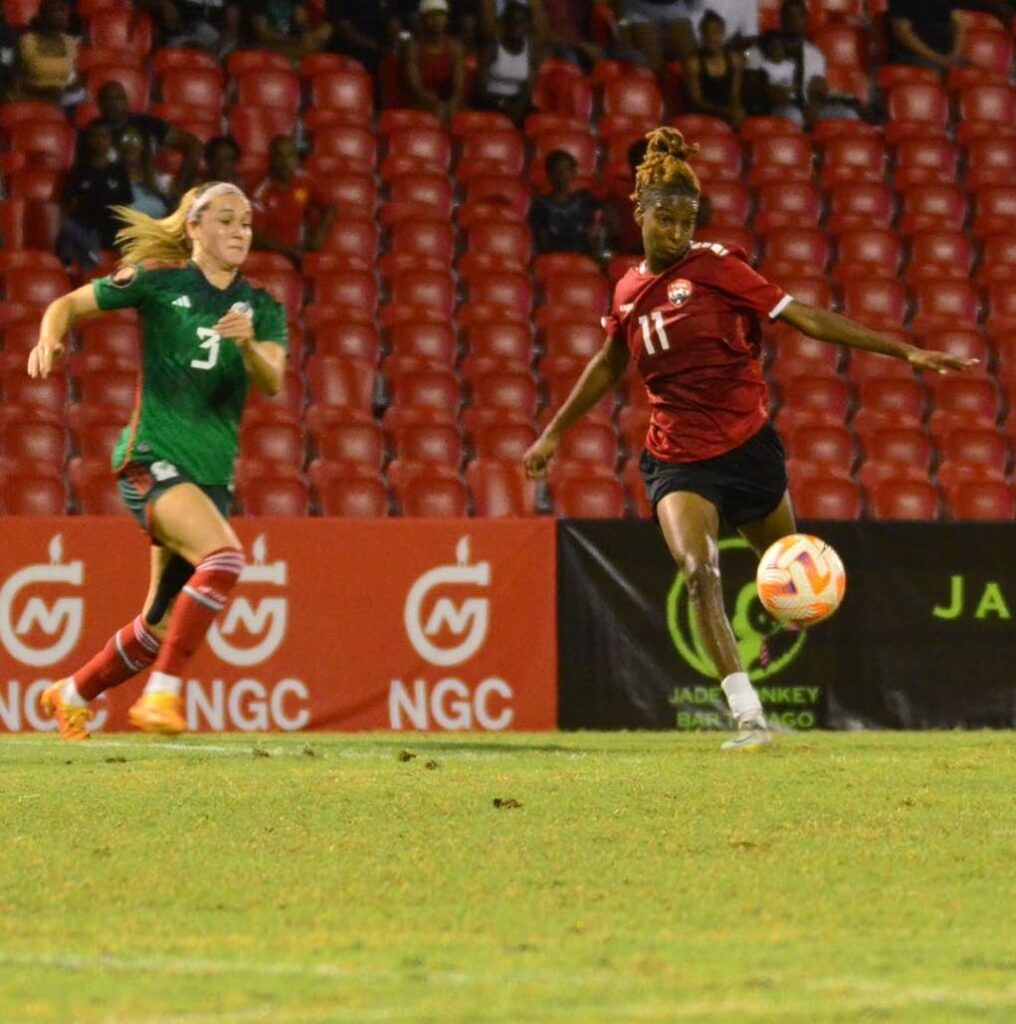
801,580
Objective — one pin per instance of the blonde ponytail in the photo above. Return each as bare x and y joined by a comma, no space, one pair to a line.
165,240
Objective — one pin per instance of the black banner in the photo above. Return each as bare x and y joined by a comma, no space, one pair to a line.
925,637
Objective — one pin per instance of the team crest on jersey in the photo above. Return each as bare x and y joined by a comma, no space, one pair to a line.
123,276
242,307
679,291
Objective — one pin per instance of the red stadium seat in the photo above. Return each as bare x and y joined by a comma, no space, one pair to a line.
274,442
880,304
465,122
933,208
274,496
973,399
581,145
587,291
32,494
491,153
867,253
917,109
861,206
394,119
516,392
990,161
95,488
431,390
998,260
194,87
936,255
44,143
762,126
41,285
506,442
511,243
842,44
832,446
355,194
891,75
433,238
593,497
96,438
510,291
241,61
944,303
13,112
926,161
504,188
694,126
171,58
349,92
987,110
562,88
347,383
580,339
434,496
500,489
899,399
423,340
351,289
285,286
995,210
966,342
805,247
109,389
635,96
592,443
826,498
353,442
828,395
38,183
848,160
433,191
720,157
133,79
254,127
505,343
425,289
37,441
791,205
984,500
1002,306
780,158
430,146
904,500
438,444
976,447
729,203
904,445
350,494
121,29
351,245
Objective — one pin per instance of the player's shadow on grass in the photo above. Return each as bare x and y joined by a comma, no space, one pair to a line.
425,743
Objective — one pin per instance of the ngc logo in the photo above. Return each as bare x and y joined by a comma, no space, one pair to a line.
61,620
679,291
469,620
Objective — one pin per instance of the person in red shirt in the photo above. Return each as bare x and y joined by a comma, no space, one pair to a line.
691,318
291,215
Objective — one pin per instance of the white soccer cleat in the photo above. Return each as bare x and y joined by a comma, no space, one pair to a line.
752,733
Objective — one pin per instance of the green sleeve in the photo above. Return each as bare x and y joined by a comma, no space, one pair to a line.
126,288
270,322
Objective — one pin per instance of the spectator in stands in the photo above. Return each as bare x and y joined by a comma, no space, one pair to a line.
290,214
114,112
433,66
713,76
739,16
623,235
508,65
94,184
927,33
284,26
565,221
49,55
369,31
10,60
662,29
212,25
222,154
135,154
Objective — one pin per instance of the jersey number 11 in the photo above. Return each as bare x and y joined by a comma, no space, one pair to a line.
647,334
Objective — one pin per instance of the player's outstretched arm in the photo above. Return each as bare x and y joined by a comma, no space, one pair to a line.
56,322
602,372
826,326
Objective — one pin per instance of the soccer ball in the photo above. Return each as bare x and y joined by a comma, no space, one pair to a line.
801,580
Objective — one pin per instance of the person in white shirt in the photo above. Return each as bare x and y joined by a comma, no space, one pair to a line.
740,17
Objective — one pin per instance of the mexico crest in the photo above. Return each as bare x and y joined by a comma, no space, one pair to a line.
679,291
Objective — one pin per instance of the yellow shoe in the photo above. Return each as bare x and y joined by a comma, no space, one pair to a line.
158,712
70,720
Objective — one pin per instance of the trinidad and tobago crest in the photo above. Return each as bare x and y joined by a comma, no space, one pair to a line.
679,291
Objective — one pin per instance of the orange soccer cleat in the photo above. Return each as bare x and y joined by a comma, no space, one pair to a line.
160,713
70,720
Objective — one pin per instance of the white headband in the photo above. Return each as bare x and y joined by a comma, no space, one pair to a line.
221,188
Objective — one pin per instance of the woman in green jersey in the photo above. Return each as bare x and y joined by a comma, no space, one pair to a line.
207,334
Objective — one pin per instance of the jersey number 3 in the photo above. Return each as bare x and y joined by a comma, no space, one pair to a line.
210,340
647,333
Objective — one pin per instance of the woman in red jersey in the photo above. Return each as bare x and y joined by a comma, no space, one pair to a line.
691,317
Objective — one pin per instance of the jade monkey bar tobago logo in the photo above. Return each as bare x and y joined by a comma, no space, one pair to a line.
61,620
751,623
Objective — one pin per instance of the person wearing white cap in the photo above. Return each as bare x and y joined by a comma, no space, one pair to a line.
433,63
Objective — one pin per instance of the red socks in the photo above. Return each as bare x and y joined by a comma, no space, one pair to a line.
203,597
129,651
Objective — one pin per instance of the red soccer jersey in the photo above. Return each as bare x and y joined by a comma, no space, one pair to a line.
281,210
695,334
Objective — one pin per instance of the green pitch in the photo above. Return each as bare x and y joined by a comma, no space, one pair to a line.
581,878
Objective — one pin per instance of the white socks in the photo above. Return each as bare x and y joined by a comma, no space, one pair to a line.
71,697
741,696
162,682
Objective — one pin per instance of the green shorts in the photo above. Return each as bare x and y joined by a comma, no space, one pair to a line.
141,483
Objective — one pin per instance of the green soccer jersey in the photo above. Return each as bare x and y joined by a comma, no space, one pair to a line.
193,382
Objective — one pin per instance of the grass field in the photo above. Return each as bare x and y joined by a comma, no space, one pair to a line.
310,879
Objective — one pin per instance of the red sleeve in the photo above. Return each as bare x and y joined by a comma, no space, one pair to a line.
612,321
747,289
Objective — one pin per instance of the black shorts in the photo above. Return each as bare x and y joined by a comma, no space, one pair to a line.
141,483
745,484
